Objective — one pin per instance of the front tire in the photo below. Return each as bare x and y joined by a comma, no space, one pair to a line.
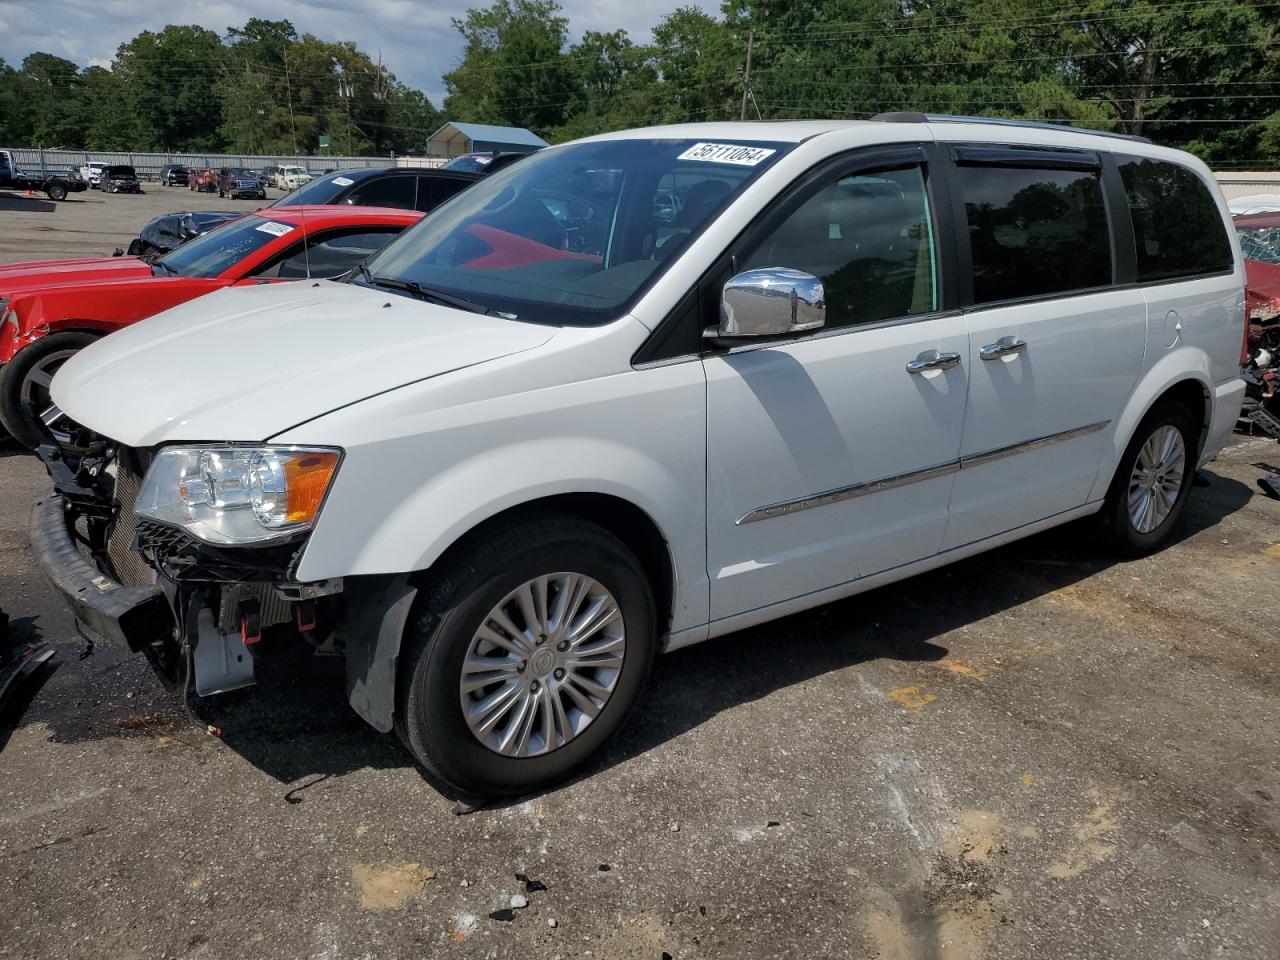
526,656
1149,490
24,384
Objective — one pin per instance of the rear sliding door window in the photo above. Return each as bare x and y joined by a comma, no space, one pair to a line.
1034,232
1176,223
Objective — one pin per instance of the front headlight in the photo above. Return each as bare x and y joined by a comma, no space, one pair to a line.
238,495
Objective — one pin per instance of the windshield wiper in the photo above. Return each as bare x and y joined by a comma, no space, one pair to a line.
424,292
164,266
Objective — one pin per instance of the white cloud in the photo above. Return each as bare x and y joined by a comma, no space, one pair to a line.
415,38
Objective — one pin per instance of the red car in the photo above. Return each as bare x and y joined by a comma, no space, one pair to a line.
1259,235
50,309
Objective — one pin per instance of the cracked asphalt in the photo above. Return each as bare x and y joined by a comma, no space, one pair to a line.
1036,752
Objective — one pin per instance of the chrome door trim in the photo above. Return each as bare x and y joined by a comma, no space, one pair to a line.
978,459
847,493
839,494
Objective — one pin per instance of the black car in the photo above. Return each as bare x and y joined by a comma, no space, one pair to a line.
172,230
408,188
174,175
240,184
120,179
267,175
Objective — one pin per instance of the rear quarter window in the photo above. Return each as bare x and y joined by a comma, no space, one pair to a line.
1176,224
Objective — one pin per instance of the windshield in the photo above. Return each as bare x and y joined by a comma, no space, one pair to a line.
571,235
213,253
321,190
1260,243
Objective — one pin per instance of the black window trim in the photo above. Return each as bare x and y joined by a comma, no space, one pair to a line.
925,155
1027,159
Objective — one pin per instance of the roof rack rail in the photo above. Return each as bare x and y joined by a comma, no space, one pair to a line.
910,117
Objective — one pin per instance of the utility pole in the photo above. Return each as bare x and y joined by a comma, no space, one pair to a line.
288,89
746,77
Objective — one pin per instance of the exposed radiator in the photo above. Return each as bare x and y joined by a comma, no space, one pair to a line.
130,568
133,571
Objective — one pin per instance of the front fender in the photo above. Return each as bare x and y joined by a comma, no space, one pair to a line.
1176,366
34,323
417,476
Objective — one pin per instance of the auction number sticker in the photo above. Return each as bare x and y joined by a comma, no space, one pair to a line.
735,153
276,229
343,181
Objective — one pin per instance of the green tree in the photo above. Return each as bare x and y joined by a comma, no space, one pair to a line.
696,57
514,68
172,78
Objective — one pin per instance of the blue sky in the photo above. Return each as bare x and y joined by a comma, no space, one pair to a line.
414,37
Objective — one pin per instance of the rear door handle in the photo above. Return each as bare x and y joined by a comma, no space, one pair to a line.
933,360
1002,348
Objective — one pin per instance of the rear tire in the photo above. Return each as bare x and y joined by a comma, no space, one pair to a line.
1149,490
447,639
24,392
56,191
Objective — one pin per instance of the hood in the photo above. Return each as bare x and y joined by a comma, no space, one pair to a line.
246,363
20,277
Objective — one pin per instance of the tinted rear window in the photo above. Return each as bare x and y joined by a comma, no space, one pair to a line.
1176,223
1035,232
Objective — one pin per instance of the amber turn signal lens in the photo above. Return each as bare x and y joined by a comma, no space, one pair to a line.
306,480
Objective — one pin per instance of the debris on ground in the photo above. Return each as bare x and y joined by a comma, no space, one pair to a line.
17,664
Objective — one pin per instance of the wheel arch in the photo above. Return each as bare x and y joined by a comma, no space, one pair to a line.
1183,376
625,520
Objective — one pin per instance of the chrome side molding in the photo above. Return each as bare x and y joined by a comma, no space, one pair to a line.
839,494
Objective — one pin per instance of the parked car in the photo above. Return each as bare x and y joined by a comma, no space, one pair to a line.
1259,235
541,437
240,184
483,162
203,180
409,188
174,175
289,178
171,230
91,173
120,178
267,175
54,308
52,184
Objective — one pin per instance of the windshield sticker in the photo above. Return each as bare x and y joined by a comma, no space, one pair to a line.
343,181
734,153
276,229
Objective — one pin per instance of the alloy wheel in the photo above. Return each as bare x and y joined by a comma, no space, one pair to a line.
35,389
543,664
1156,478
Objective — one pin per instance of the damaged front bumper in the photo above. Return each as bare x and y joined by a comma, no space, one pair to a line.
200,613
136,616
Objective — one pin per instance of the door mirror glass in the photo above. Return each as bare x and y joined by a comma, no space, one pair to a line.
771,302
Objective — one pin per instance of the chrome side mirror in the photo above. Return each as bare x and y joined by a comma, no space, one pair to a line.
770,302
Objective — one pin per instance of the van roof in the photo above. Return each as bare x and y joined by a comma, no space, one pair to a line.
941,126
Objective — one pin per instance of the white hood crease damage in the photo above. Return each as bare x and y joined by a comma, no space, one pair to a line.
247,363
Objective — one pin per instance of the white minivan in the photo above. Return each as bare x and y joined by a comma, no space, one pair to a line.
640,390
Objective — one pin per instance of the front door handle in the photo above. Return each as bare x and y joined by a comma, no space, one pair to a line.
933,360
1002,348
